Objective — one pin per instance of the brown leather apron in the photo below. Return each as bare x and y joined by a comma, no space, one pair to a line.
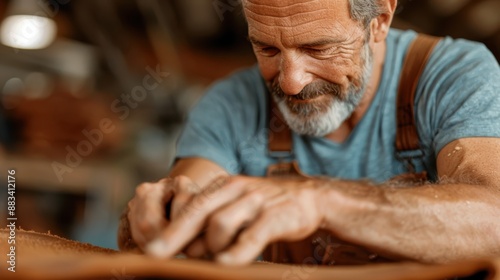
322,247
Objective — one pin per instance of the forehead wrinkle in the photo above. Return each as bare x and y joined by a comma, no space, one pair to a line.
340,35
290,27
319,20
292,34
321,39
301,6
337,8
264,41
290,14
289,20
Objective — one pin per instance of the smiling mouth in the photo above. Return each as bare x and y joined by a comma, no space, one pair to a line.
295,99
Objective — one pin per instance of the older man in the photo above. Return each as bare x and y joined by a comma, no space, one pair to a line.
332,68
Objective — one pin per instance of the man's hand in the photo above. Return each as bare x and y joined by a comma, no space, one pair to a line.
239,216
147,214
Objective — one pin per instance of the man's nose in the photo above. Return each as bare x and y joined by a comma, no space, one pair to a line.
293,75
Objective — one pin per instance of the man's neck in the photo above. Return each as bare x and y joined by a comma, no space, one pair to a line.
345,129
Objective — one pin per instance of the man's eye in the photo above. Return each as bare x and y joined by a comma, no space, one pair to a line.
269,51
326,51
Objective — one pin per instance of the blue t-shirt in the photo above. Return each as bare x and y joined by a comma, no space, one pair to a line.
458,96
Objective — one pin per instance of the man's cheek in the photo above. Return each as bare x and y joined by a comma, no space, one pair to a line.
268,69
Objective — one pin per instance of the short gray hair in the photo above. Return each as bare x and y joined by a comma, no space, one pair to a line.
365,10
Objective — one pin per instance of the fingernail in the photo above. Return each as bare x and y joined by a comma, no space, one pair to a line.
157,248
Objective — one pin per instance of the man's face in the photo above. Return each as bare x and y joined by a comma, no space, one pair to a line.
314,57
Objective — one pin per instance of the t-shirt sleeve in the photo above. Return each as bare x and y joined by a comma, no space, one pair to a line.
460,95
209,131
227,114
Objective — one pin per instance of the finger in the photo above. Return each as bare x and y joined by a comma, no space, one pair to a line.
224,225
184,190
270,227
146,214
196,249
192,218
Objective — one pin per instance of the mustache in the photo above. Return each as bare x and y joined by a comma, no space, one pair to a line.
310,91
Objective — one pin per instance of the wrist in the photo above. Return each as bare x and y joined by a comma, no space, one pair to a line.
348,204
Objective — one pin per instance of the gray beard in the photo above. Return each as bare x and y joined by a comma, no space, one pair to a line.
320,118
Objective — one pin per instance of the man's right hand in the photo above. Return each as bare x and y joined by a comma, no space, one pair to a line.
146,214
147,211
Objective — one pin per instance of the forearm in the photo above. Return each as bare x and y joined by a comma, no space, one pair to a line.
430,223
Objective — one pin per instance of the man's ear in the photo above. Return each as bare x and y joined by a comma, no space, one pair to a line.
380,25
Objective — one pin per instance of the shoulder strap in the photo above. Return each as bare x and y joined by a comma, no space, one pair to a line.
417,56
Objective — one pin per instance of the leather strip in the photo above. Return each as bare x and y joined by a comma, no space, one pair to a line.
417,56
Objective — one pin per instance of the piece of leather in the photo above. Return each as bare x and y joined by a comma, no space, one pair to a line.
47,257
285,169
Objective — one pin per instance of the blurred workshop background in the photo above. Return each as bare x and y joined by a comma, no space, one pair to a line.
94,93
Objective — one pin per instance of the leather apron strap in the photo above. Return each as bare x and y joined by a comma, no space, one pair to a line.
280,146
280,135
407,140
